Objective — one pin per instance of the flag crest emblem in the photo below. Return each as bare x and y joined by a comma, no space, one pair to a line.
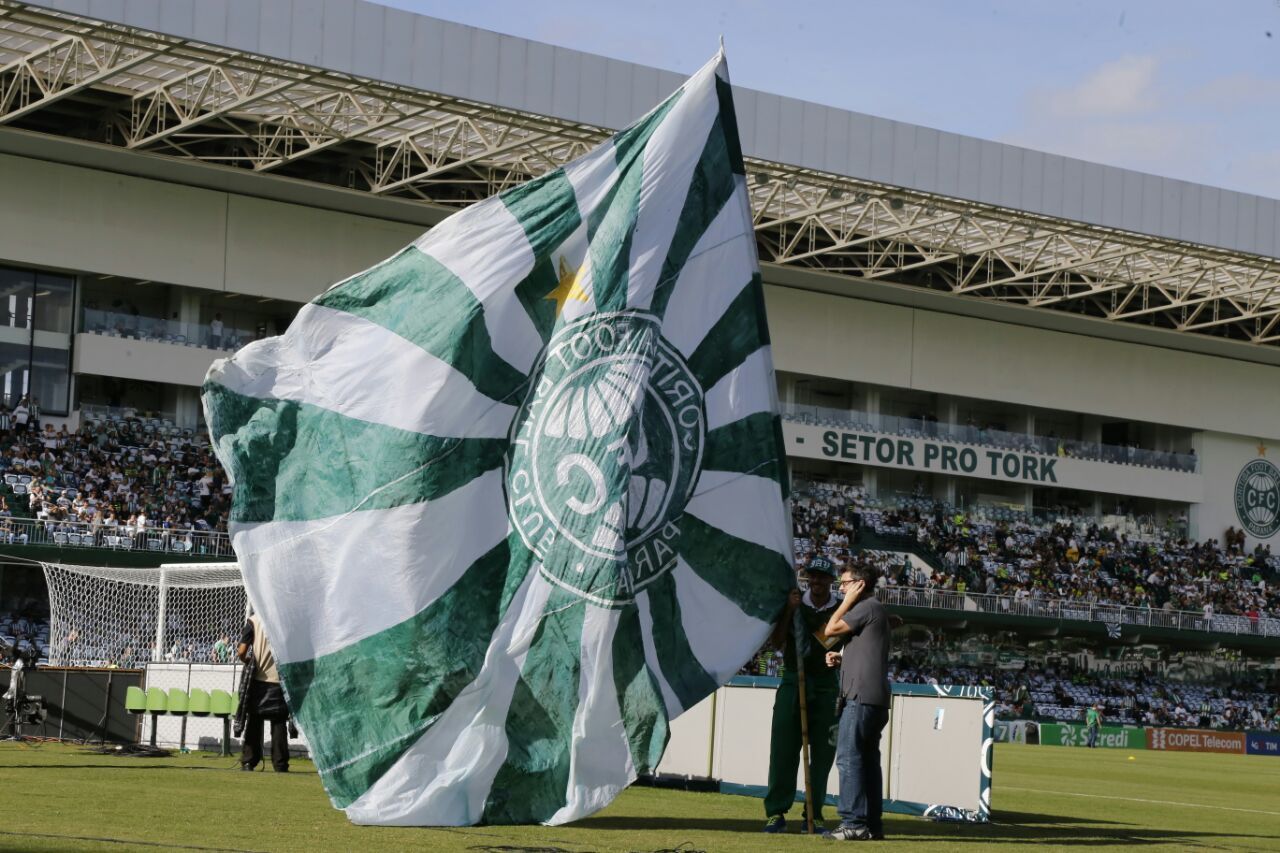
513,499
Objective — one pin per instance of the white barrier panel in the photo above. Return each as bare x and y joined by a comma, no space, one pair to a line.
935,753
203,733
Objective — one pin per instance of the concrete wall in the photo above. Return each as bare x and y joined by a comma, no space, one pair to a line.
75,218
149,361
899,346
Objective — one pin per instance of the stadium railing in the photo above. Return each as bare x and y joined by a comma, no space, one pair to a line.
1082,611
118,325
982,436
78,534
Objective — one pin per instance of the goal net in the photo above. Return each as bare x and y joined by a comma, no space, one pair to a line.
127,617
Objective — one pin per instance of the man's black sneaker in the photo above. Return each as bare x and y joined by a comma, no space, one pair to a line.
819,826
776,823
850,833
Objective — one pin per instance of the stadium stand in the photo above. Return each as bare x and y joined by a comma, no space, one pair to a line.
1068,558
1139,699
120,481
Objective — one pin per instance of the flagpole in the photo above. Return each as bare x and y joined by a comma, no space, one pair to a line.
804,723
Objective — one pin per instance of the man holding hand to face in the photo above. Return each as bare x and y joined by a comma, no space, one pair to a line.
863,624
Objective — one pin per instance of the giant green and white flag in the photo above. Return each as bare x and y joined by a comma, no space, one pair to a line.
513,499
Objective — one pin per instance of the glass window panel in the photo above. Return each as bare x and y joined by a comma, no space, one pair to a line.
16,292
51,379
53,303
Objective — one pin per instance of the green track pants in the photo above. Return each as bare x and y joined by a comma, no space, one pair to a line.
784,747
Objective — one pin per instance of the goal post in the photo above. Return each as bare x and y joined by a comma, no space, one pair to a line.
122,617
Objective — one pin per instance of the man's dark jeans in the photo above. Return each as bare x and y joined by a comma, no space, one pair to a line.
858,761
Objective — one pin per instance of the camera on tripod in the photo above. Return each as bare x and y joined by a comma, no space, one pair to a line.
22,708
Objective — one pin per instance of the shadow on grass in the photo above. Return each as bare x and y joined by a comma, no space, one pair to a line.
1006,828
172,768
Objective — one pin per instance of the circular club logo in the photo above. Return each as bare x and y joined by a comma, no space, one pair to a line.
605,453
1258,498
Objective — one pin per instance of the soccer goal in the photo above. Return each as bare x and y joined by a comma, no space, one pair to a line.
190,612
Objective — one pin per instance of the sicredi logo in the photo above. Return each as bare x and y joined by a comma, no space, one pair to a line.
1257,497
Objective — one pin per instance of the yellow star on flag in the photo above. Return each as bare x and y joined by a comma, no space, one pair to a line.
569,287
1262,449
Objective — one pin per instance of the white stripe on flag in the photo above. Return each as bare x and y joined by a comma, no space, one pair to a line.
704,612
445,778
743,391
712,278
743,505
592,176
488,250
382,378
324,584
669,159
669,698
600,765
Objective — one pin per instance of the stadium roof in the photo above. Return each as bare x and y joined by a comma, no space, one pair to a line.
356,95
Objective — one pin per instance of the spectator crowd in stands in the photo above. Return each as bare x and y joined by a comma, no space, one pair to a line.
121,477
1037,560
1138,699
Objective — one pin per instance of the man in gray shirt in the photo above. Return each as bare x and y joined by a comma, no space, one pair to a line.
862,622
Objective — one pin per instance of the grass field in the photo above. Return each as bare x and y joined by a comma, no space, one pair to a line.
62,797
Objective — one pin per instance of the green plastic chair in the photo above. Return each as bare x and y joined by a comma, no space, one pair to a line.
199,705
221,704
157,701
178,701
157,704
135,700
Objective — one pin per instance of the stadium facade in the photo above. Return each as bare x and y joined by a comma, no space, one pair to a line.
969,320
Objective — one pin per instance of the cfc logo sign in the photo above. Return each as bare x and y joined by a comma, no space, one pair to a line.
1258,498
605,453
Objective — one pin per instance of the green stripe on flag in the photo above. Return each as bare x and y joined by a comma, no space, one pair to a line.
740,331
295,462
719,559
680,666
547,209
612,224
643,713
751,445
419,299
364,705
729,117
531,785
711,187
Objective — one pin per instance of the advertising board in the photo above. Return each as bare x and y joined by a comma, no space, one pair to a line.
1195,740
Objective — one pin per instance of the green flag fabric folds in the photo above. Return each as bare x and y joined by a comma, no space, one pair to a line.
513,499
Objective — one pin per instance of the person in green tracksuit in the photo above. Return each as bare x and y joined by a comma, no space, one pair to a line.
822,687
1093,724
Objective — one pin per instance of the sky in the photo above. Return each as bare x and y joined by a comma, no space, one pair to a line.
1186,89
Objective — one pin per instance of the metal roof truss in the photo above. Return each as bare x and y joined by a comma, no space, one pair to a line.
174,97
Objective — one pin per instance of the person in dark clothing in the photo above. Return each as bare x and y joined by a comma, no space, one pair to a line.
863,623
264,701
821,688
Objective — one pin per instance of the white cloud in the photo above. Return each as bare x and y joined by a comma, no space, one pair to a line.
1123,86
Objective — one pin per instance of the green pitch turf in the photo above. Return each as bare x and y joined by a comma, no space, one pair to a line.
62,797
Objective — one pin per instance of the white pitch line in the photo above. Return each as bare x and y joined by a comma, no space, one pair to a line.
1157,802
